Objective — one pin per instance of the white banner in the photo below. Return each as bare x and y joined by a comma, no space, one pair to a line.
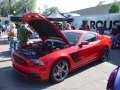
94,20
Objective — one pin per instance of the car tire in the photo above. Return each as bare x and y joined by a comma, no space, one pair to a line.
60,71
104,55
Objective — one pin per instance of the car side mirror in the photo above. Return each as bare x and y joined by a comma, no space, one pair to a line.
83,43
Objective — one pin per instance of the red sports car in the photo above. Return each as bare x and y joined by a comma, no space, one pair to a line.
59,52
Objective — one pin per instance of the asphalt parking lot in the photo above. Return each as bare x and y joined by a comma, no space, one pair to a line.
91,77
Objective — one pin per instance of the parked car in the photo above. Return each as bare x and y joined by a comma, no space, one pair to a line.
114,80
59,52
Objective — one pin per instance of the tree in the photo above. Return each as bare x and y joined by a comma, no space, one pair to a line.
115,7
50,10
16,7
24,6
4,7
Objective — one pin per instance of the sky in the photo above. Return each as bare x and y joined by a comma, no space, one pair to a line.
68,5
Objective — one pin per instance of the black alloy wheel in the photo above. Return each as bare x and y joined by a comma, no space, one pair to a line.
104,55
59,71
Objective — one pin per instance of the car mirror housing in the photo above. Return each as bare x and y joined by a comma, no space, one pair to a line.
83,43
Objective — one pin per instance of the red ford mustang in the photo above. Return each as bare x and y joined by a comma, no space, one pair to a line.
59,52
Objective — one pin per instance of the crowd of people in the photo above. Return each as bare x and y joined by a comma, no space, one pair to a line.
114,32
19,36
3,28
115,35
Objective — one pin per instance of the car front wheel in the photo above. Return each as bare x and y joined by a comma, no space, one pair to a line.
59,71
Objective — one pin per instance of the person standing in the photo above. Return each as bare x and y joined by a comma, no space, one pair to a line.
3,28
87,28
73,27
12,34
68,26
7,29
118,28
118,36
114,36
23,35
82,27
100,29
0,29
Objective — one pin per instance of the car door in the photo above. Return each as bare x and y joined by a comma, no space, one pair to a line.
87,53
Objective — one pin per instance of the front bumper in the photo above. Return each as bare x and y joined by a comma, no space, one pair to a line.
32,72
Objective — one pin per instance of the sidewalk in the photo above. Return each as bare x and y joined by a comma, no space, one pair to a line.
3,36
5,55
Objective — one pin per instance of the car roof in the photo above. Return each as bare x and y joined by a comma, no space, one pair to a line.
77,31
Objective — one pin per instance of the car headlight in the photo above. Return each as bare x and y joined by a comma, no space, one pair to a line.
38,62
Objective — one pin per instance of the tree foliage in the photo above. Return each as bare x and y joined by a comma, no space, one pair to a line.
115,7
16,6
23,6
4,7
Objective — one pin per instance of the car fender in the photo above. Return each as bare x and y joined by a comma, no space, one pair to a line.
52,58
107,41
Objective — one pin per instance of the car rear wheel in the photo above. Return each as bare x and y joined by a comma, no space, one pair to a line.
104,55
59,71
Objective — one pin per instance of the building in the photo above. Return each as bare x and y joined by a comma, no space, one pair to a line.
98,10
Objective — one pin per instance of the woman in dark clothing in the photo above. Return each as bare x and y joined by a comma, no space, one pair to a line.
87,28
101,29
114,36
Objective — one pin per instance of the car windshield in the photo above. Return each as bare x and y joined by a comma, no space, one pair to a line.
72,37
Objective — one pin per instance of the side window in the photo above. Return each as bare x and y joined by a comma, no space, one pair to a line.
89,37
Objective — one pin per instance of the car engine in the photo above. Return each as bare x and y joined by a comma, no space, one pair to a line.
37,50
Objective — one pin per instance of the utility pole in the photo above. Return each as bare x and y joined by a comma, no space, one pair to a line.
9,6
24,6
39,10
45,7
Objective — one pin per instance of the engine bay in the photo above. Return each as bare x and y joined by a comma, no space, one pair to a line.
37,50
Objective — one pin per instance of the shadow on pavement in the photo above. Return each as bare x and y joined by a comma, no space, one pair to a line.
5,54
114,57
79,70
4,60
15,81
3,42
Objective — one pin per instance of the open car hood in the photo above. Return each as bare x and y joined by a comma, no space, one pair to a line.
43,27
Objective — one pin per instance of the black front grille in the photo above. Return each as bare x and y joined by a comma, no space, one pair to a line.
19,60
